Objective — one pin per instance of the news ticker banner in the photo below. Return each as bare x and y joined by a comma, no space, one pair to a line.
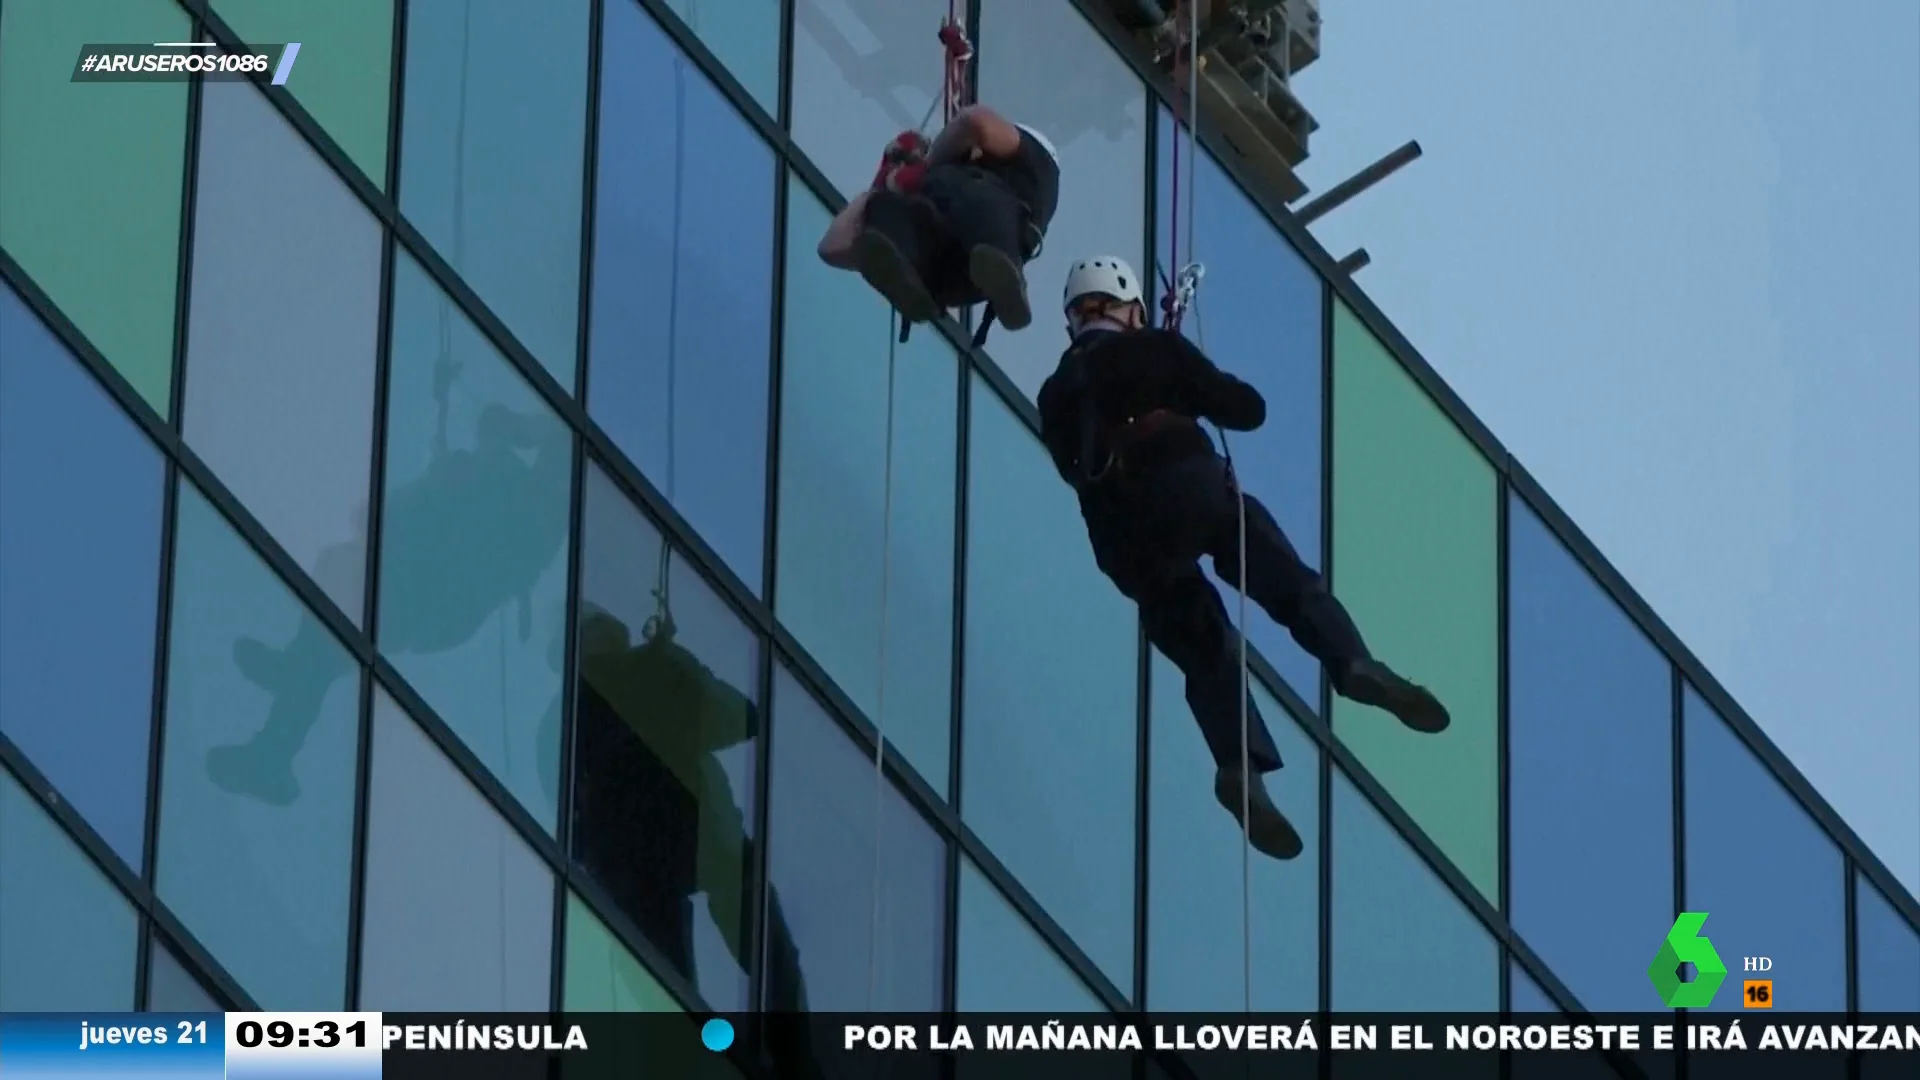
369,1046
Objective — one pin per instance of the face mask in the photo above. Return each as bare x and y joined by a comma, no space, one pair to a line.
1080,325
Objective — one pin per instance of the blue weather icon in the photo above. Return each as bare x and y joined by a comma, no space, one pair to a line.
717,1034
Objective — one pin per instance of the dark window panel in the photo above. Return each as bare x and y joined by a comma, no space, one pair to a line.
667,730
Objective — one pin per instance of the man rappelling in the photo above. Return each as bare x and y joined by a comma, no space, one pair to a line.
1121,417
953,222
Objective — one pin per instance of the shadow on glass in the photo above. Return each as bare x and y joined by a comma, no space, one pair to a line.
463,493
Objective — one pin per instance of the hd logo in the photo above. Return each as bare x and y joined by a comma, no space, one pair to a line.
1686,945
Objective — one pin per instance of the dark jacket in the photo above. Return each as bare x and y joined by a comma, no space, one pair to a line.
1134,399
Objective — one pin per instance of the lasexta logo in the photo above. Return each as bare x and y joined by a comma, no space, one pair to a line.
1686,945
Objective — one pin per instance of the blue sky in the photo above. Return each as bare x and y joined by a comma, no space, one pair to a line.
1670,253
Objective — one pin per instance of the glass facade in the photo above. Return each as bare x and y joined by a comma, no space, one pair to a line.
552,536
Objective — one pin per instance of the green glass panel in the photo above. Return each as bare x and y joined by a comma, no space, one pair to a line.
1416,559
342,74
67,936
90,178
601,975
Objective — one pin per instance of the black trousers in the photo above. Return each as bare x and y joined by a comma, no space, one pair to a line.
1151,528
957,208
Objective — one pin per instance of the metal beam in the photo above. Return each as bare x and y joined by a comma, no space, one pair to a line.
1355,262
1339,194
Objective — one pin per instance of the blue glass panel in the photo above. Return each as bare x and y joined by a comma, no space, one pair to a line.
682,287
1259,314
458,909
1052,660
256,796
1402,940
823,863
493,144
1590,751
838,543
1197,934
1767,874
68,938
80,495
1888,951
280,351
473,557
1005,965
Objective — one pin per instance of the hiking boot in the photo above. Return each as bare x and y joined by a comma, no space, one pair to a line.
1371,682
1001,279
1268,830
887,269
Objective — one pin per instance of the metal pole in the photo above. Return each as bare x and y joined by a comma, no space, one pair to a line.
1355,262
1344,191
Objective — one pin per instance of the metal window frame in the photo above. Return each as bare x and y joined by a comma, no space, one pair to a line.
778,645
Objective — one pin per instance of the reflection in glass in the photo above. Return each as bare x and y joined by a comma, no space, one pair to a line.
262,882
863,71
473,538
666,734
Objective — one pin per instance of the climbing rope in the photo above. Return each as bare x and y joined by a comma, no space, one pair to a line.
1178,296
662,619
953,97
880,697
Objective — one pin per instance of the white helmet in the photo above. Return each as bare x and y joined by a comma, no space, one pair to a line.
1103,275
